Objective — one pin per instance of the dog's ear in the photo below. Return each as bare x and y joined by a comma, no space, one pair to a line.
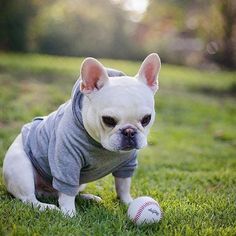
93,75
149,70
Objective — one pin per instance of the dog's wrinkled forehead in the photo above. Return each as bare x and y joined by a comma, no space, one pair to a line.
124,93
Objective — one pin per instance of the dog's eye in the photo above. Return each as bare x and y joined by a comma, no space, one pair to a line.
146,119
109,121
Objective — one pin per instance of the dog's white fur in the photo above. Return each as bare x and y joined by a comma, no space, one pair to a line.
125,98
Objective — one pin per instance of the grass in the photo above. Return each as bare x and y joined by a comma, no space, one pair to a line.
189,166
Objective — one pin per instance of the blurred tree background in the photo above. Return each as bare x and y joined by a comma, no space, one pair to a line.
198,33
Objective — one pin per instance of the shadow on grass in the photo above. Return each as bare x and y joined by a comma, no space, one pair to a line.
114,216
106,216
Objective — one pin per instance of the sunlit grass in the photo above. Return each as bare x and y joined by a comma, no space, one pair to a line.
189,166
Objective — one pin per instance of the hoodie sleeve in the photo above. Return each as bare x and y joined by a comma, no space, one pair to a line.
67,160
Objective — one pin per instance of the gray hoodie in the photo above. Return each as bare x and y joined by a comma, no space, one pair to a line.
65,155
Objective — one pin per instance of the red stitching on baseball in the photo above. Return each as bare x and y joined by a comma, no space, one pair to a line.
140,210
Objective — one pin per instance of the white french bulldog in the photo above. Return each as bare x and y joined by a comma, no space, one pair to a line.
95,133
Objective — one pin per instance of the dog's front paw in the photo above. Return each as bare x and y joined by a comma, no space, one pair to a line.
70,213
127,199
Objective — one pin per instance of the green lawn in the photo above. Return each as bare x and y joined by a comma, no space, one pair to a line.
189,166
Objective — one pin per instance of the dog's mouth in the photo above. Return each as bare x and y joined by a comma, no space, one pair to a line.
125,145
128,145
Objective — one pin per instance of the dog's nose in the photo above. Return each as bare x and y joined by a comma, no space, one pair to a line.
129,132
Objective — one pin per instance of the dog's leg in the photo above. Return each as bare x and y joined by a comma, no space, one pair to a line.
123,189
67,204
82,187
18,174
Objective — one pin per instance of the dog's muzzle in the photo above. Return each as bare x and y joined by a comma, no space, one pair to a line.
128,141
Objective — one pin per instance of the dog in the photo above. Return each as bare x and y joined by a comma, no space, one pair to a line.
97,132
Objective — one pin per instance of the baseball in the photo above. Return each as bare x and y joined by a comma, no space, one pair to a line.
144,210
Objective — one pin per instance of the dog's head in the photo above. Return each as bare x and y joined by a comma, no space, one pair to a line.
119,111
